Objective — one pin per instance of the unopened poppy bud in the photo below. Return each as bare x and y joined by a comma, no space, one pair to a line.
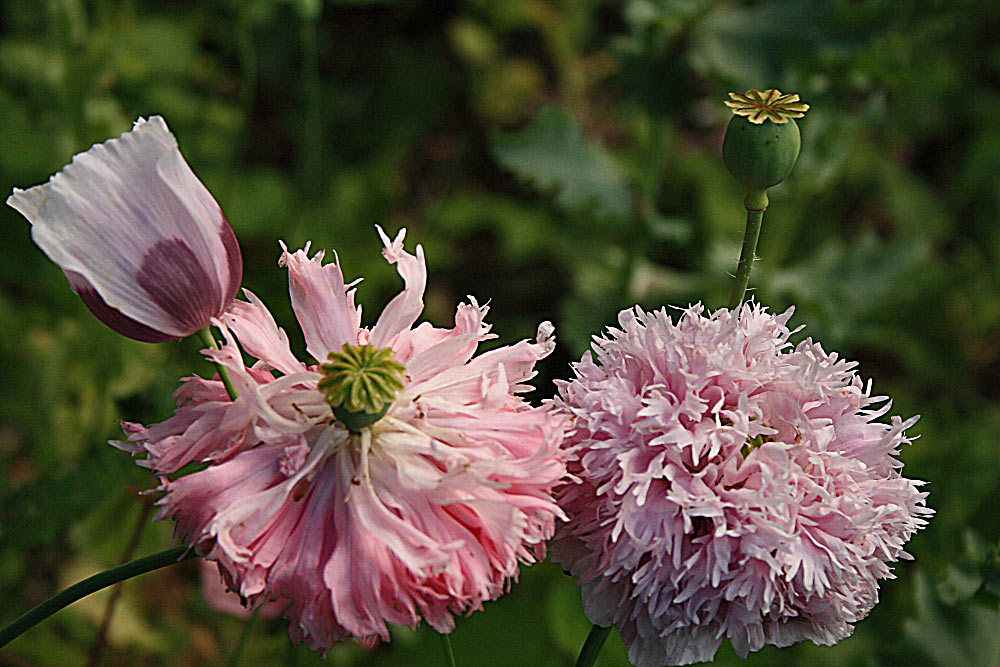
360,383
762,140
139,237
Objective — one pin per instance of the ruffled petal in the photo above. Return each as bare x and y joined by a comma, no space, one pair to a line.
727,486
257,332
207,426
322,302
220,597
405,307
441,370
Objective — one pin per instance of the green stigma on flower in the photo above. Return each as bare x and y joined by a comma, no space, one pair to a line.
753,443
360,383
769,105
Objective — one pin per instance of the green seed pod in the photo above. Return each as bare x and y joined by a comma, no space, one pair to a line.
360,382
760,156
762,141
355,421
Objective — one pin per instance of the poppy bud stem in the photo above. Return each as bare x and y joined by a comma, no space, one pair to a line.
760,148
756,203
227,380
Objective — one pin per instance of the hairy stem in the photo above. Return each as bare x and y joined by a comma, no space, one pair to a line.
449,655
756,203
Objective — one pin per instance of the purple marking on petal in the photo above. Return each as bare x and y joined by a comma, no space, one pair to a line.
176,282
235,257
110,316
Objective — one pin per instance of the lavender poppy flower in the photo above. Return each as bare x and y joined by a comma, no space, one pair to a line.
729,485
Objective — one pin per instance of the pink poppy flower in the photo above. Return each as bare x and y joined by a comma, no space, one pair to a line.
140,239
424,512
730,486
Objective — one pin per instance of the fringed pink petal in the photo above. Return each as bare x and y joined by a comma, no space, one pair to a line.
207,426
222,598
469,326
405,307
322,302
435,371
257,332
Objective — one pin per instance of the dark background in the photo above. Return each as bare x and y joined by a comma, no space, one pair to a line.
560,158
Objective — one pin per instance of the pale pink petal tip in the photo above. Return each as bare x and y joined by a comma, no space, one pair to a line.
425,514
405,307
323,303
728,485
140,239
222,598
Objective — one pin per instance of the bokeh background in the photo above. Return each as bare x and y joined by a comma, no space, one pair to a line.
561,158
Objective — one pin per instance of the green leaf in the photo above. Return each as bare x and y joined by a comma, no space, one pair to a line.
855,286
990,572
956,636
553,155
755,45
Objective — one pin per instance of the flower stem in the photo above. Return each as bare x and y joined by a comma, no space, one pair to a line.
449,655
90,585
592,647
755,203
227,380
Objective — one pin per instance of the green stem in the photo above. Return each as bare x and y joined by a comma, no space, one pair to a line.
449,655
227,380
91,585
756,203
592,647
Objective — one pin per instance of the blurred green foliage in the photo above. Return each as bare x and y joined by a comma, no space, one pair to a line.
561,158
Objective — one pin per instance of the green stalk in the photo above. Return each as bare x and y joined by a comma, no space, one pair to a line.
209,340
91,585
755,203
449,655
592,647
